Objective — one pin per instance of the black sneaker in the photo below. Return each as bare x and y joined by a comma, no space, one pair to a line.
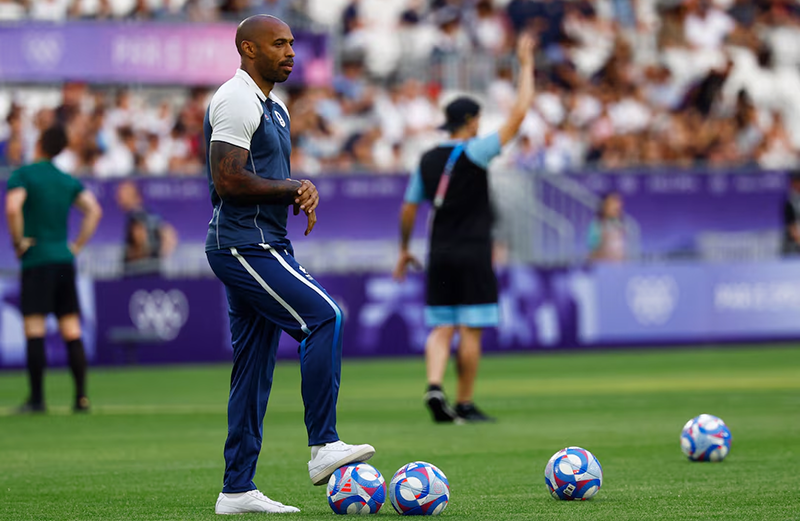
30,407
81,405
468,412
440,409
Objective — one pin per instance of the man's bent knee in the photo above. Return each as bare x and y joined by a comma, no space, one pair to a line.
332,313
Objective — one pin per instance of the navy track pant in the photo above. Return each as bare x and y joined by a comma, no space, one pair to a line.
268,291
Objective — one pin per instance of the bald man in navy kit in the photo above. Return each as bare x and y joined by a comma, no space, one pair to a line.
249,144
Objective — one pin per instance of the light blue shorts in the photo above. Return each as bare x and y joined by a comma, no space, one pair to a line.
475,315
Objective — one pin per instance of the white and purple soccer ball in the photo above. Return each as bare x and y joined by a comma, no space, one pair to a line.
573,474
706,438
356,489
419,489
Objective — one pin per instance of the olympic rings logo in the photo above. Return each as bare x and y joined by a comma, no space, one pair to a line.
159,312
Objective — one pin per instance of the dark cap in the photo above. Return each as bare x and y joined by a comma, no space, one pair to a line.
458,113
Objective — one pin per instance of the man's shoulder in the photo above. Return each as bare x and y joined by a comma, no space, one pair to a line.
19,171
62,175
42,175
234,89
442,150
30,167
229,88
480,150
439,149
429,155
39,167
17,178
234,102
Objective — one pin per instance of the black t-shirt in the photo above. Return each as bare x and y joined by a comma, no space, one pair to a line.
464,221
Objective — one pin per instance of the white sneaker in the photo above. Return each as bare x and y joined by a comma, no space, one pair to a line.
335,455
252,501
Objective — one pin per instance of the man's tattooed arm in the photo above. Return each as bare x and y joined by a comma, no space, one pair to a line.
238,186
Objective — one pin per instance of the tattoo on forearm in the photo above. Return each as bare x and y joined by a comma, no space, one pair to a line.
234,182
232,163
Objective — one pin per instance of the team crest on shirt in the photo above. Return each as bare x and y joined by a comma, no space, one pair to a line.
266,116
279,118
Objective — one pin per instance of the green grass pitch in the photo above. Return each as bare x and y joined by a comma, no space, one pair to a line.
152,447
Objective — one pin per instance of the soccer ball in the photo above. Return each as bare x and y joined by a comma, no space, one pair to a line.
706,438
573,473
356,489
419,489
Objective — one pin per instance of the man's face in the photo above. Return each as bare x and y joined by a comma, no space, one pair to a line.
274,54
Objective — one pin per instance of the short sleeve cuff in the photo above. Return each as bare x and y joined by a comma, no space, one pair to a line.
233,140
415,191
483,149
15,181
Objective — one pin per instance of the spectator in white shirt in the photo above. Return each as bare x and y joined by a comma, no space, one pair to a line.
706,26
50,10
776,151
490,28
156,158
120,158
11,10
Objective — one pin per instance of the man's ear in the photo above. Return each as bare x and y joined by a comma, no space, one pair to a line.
248,49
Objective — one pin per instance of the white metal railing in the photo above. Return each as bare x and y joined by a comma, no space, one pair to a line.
578,206
738,246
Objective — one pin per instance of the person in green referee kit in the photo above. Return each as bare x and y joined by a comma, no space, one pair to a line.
38,202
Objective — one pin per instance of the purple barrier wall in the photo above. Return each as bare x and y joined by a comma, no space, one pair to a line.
12,339
692,302
672,209
352,208
150,320
177,54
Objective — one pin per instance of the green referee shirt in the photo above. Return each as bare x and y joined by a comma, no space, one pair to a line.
50,194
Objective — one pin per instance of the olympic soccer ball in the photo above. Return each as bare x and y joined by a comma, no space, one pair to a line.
419,489
706,438
356,489
573,473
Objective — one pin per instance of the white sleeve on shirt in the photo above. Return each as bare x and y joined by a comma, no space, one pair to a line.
234,116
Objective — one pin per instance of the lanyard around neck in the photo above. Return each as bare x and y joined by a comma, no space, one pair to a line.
444,181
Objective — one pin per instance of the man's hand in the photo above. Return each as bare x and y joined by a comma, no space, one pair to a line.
525,47
307,198
312,220
525,89
23,245
406,259
75,248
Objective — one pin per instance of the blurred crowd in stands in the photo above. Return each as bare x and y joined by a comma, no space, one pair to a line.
621,84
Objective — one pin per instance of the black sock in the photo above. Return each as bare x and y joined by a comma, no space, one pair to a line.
434,387
77,364
36,363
